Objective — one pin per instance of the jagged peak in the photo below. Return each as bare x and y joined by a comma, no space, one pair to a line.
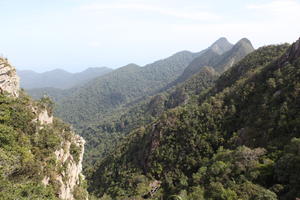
243,42
221,40
221,45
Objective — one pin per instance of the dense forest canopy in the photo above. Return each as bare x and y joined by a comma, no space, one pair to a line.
237,140
220,124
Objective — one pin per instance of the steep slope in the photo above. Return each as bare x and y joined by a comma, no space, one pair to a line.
195,66
219,61
221,46
107,127
103,135
55,93
242,48
114,118
58,78
198,151
96,99
40,156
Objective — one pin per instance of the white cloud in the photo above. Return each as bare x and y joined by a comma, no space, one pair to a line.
278,8
142,7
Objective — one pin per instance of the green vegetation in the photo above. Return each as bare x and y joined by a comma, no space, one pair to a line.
101,137
239,140
108,108
75,152
219,61
27,149
153,134
96,99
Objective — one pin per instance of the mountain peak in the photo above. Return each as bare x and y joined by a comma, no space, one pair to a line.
244,41
221,40
244,44
221,45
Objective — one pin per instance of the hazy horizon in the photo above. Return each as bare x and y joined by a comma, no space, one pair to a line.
74,34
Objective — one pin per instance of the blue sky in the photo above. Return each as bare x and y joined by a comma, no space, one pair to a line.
75,34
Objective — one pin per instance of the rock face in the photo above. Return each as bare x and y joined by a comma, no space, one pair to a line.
45,118
292,54
72,176
9,81
66,175
69,158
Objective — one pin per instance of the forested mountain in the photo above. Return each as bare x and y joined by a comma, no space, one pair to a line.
220,124
58,78
107,108
237,140
219,61
40,156
55,93
103,135
96,99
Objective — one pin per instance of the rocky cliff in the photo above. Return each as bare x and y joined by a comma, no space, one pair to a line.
291,55
9,81
51,144
69,155
69,159
73,166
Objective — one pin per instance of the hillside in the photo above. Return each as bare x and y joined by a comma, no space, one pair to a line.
107,108
40,156
219,61
240,140
104,134
96,99
58,78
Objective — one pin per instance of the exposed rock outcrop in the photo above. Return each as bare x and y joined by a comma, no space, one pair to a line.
72,160
9,81
69,158
65,175
292,54
43,117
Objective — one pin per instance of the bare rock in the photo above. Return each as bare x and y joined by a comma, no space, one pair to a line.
9,81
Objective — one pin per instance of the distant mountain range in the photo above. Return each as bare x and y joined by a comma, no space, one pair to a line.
235,136
128,84
110,105
59,78
219,124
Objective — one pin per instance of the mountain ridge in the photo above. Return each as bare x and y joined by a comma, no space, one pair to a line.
220,62
239,143
41,157
59,78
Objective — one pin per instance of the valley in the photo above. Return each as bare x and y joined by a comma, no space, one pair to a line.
222,123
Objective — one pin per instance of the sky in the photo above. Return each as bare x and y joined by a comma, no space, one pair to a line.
42,35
